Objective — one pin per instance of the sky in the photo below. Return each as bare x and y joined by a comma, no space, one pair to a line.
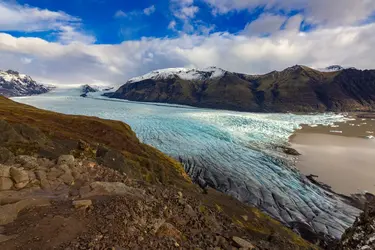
106,42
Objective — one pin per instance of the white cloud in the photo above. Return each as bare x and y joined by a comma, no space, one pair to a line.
172,25
265,24
69,34
135,13
15,17
120,14
149,10
26,60
78,63
184,9
322,12
187,12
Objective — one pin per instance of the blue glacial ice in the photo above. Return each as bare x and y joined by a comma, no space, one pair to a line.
231,151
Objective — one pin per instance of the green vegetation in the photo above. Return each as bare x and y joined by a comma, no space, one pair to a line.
66,133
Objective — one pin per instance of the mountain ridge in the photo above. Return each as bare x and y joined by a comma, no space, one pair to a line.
12,84
296,89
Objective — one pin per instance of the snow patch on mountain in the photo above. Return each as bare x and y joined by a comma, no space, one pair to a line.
189,74
13,83
333,68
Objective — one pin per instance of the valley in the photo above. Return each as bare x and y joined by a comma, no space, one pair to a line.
232,152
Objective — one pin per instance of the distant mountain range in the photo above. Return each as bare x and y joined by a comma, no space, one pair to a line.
13,83
296,89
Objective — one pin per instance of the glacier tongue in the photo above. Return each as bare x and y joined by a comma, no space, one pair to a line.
230,151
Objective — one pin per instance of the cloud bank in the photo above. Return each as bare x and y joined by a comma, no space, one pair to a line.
74,59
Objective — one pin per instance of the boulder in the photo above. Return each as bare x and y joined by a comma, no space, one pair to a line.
67,178
4,171
28,162
42,177
65,168
54,173
65,159
168,230
290,151
82,204
45,163
5,183
190,211
21,185
32,175
19,175
241,243
6,156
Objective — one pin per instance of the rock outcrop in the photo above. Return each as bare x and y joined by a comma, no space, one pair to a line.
361,236
85,89
297,88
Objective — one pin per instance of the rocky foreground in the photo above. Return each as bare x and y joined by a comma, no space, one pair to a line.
361,236
78,204
74,182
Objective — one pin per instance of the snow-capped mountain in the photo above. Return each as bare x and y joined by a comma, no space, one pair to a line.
86,89
277,91
13,83
189,74
332,68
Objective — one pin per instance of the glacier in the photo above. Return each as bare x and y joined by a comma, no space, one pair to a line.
233,152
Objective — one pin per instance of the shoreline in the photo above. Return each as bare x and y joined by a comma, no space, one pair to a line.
339,157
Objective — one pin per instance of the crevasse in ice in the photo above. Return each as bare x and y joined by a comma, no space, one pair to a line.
233,152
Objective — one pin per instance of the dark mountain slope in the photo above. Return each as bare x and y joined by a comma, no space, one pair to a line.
13,83
297,88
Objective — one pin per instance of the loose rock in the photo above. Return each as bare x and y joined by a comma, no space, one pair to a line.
19,175
5,183
66,159
190,211
239,242
168,230
4,171
82,204
42,177
27,161
21,185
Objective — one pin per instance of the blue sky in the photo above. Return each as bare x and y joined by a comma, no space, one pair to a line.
112,21
108,41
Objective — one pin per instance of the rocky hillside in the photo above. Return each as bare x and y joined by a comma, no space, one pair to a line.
297,88
361,236
75,182
13,83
